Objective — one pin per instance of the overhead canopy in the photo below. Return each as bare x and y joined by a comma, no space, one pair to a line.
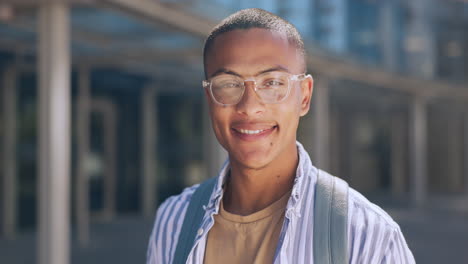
165,40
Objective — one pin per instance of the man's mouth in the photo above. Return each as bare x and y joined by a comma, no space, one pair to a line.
254,132
250,132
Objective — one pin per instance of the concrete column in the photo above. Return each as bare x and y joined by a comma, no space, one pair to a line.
454,151
110,141
107,109
398,154
9,192
465,152
54,133
347,155
321,124
82,175
335,144
362,162
418,150
214,154
148,146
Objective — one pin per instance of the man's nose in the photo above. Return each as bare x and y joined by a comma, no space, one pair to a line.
250,103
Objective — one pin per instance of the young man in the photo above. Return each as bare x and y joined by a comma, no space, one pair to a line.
261,209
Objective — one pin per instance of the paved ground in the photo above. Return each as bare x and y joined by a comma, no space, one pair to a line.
434,236
437,233
123,240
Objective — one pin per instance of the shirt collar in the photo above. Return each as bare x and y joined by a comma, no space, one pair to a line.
305,172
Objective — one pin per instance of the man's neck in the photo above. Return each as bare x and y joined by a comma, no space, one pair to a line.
250,190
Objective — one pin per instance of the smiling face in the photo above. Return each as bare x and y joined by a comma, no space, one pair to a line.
255,134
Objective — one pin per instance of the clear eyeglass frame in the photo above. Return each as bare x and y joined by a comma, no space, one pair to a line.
207,84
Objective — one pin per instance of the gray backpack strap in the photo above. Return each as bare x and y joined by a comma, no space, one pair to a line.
330,220
193,220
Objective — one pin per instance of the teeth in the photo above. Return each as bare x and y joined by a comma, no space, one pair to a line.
250,132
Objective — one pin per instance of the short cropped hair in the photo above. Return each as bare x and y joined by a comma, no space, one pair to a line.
255,18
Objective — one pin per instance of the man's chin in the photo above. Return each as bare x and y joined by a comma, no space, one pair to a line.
251,163
254,155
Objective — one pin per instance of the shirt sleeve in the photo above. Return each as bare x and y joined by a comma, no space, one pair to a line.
151,255
167,226
397,250
374,237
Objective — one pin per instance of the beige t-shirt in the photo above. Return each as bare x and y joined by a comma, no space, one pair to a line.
246,239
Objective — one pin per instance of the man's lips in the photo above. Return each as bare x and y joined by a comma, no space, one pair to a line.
253,132
252,128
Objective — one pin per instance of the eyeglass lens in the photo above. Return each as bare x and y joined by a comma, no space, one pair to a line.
271,87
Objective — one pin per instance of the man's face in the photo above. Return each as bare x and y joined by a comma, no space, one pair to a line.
256,134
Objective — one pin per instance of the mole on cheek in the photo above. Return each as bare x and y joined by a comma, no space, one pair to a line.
271,143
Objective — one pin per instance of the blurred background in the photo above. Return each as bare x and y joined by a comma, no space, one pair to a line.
102,117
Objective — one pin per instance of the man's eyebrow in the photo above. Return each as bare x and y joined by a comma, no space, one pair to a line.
276,68
225,71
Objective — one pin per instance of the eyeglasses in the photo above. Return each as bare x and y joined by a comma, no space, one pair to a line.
271,87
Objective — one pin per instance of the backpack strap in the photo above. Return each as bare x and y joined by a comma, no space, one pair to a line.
193,219
330,220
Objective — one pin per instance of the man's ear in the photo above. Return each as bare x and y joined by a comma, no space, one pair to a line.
307,88
207,95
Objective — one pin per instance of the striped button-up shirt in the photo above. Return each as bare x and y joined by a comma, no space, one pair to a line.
373,236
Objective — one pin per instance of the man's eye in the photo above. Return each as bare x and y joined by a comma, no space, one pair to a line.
230,85
273,83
